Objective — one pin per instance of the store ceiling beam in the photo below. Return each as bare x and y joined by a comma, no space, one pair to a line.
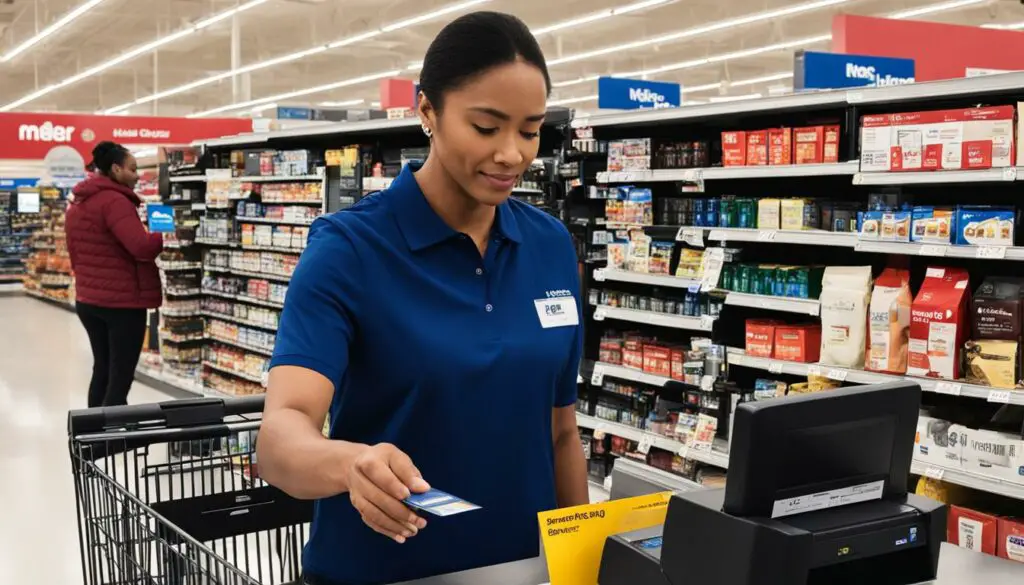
54,27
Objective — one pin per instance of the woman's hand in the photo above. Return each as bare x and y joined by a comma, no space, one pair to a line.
379,479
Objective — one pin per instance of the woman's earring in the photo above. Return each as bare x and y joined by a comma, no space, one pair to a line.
428,131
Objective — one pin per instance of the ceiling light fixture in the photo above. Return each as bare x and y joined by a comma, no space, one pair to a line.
933,8
734,98
343,104
595,16
263,108
297,93
575,100
762,79
1013,26
131,54
56,26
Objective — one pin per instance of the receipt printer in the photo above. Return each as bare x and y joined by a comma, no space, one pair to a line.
816,495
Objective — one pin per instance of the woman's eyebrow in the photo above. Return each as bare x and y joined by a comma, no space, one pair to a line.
503,116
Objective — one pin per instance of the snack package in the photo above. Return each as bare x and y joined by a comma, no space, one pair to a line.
798,343
845,293
1011,539
983,226
937,327
889,322
991,362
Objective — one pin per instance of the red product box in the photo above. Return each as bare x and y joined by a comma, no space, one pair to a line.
757,148
937,324
678,358
977,154
658,360
798,343
780,146
761,337
972,530
611,351
633,354
734,149
1011,539
830,148
809,145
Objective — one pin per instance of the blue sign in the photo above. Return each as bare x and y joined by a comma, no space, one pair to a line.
614,93
288,113
813,70
15,183
161,218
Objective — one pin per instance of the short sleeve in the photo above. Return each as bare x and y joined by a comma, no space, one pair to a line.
568,389
316,328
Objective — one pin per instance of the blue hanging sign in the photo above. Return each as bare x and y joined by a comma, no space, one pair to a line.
814,70
293,113
15,183
161,218
615,93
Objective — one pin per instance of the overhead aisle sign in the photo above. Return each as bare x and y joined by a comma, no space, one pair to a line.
815,70
614,93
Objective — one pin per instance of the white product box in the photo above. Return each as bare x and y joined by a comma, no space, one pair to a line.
994,455
956,441
988,125
931,441
876,141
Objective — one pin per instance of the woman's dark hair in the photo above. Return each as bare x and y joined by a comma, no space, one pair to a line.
107,154
472,44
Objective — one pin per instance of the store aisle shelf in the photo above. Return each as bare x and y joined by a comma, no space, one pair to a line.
66,305
295,202
278,179
244,299
233,372
179,266
270,220
279,249
984,483
737,357
148,375
189,179
602,369
705,323
239,321
653,475
942,250
937,177
802,237
269,352
771,303
604,274
251,274
712,457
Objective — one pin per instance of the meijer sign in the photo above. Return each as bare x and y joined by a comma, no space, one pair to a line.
813,70
633,94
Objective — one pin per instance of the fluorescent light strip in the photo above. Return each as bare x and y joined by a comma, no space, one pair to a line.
575,100
933,8
343,104
1013,26
56,26
263,108
734,98
700,30
131,54
762,79
298,93
595,16
458,6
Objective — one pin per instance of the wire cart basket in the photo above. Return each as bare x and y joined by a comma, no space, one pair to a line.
170,494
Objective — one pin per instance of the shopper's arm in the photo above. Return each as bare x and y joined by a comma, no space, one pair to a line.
123,221
570,465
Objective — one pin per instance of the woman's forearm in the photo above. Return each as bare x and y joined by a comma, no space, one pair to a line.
570,470
295,457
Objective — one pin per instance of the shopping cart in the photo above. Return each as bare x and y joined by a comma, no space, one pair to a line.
169,494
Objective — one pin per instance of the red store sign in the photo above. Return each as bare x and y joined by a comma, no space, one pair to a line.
31,136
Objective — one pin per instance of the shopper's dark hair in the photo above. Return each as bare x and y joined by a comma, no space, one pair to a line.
472,44
106,154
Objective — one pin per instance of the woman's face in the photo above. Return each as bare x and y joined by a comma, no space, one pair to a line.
126,174
489,131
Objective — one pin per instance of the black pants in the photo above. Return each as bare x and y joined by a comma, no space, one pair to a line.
116,337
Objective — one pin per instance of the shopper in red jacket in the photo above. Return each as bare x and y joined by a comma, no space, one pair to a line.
116,278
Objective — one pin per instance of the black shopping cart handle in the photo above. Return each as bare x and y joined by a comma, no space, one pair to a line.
174,413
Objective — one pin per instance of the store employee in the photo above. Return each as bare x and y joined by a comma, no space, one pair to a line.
439,324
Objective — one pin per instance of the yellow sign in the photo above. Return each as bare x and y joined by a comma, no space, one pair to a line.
333,158
574,537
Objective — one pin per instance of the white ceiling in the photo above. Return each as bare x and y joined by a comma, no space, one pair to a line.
278,28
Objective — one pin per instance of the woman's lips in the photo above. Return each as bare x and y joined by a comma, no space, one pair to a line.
500,182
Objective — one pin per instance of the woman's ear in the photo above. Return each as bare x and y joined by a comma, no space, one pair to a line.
427,114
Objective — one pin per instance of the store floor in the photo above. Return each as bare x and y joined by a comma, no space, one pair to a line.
45,364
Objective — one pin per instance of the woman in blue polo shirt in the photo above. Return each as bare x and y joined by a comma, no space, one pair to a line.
438,322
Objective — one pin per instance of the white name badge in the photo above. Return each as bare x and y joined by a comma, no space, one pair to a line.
557,312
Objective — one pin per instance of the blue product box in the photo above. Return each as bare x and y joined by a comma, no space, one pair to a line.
869,224
984,226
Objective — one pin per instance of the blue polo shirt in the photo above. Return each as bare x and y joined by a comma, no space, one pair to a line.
456,359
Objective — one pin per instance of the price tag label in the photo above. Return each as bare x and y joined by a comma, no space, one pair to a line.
600,313
858,179
599,275
684,451
645,445
707,383
1010,173
1000,396
813,371
766,235
991,252
691,235
951,388
934,473
597,378
601,237
837,374
932,250
775,367
707,322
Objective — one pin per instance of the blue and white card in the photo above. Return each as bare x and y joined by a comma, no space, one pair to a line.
439,503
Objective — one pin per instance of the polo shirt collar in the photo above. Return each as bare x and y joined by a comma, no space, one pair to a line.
423,228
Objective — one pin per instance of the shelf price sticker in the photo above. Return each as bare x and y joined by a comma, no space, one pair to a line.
1010,173
691,235
951,388
644,447
766,235
934,473
601,237
707,322
599,275
707,383
1000,396
597,378
775,367
600,313
837,374
813,371
991,252
932,250
684,451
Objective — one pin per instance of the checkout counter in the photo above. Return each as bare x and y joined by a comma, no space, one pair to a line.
819,497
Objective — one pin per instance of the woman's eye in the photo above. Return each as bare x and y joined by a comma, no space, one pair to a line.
485,131
530,135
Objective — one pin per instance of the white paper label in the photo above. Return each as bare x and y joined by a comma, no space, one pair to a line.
951,388
599,314
557,312
597,378
775,367
932,250
599,275
829,499
934,473
707,383
645,445
601,237
766,235
1001,396
684,451
969,533
837,374
813,371
707,322
691,235
991,252
714,259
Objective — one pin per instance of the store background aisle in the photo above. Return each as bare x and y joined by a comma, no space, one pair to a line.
45,364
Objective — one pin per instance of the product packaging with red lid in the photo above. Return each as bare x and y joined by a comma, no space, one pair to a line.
757,148
734,149
938,327
972,530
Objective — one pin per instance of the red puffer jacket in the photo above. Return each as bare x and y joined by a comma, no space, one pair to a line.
112,254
